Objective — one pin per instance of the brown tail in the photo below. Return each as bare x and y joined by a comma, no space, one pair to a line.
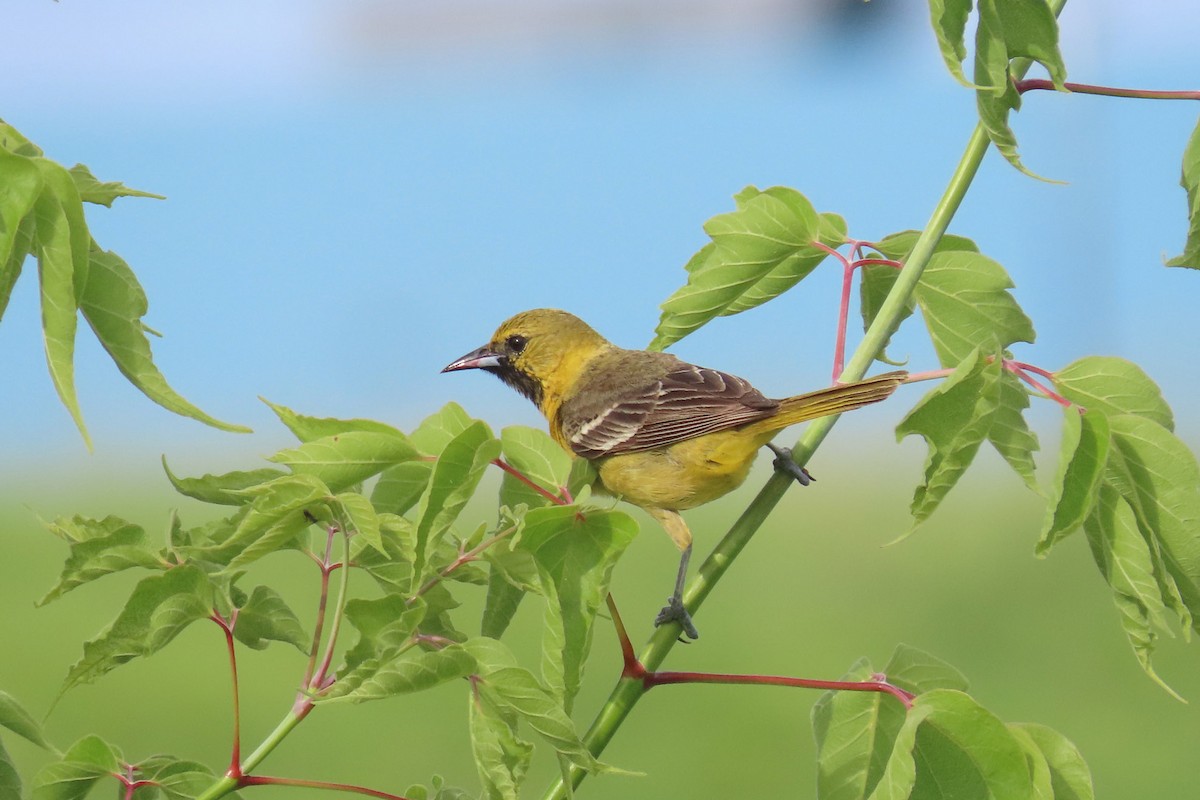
834,400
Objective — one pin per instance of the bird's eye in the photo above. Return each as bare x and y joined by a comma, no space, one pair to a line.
515,344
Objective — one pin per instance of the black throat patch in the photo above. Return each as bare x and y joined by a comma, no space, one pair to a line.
518,380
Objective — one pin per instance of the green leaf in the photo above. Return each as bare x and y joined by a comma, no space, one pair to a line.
1009,433
61,247
1113,386
510,687
227,489
308,429
966,304
503,599
10,781
963,750
20,185
110,545
88,760
415,672
385,630
14,717
392,566
457,472
342,460
264,618
501,756
1069,774
439,429
949,19
113,303
575,551
275,516
1158,476
1190,257
160,607
954,419
1010,29
1082,456
93,191
854,732
916,671
771,233
10,269
400,487
831,231
536,456
362,519
900,773
178,779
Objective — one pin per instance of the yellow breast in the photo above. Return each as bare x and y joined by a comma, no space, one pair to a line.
683,475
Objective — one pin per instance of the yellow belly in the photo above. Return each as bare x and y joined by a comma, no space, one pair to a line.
684,475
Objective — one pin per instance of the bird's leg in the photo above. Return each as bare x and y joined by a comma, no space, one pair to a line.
674,610
784,463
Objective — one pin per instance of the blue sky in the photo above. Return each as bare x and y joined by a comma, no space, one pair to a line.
359,192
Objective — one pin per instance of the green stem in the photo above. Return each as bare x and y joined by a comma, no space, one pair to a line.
230,783
628,690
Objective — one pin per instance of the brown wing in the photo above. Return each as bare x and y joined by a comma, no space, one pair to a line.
687,402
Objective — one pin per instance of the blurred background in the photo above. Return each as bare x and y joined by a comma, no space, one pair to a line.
359,191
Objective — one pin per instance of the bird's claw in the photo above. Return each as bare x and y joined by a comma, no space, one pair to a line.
674,611
784,463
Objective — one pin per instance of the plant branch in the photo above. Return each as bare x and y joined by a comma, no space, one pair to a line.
523,478
319,626
262,780
235,756
318,680
1106,91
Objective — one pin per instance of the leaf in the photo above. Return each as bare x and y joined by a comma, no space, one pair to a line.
575,553
861,742
264,618
227,489
342,460
1082,456
93,191
1113,386
414,672
966,304
1010,29
10,269
113,302
950,25
1069,774
1009,433
275,516
513,688
20,185
160,607
10,781
88,760
954,419
362,519
393,566
61,247
536,456
439,429
385,630
1160,480
500,606
110,545
455,476
771,233
177,778
963,750
1190,257
831,231
501,756
401,486
308,429
900,773
14,717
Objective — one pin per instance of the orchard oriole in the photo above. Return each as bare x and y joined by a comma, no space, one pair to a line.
663,434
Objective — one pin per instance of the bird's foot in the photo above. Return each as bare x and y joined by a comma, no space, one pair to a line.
783,463
674,611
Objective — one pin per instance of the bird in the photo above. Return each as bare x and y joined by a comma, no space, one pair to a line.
662,434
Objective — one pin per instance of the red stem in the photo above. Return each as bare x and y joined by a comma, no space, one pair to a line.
235,756
326,570
263,780
635,670
516,473
1107,91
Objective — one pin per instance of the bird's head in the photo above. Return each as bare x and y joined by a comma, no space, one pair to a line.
536,352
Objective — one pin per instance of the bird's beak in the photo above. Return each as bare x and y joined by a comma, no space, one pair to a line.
482,358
